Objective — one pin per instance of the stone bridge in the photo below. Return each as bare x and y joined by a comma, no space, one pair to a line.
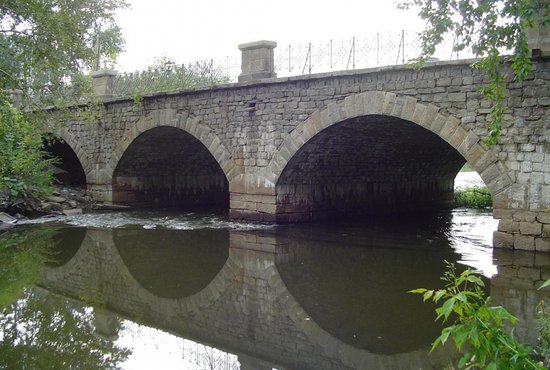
345,144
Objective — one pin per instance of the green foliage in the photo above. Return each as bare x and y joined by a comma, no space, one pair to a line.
477,329
23,254
466,168
57,334
543,326
46,44
473,197
487,28
23,169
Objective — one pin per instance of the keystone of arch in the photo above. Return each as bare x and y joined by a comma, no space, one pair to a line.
185,122
449,128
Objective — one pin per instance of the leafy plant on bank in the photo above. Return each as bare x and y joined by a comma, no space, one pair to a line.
476,328
486,28
473,197
543,327
23,169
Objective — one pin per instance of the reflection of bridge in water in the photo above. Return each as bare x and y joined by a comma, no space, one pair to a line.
269,298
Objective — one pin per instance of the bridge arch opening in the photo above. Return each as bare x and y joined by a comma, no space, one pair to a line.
368,165
68,170
168,167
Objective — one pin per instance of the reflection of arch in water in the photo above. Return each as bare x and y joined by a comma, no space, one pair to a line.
249,271
172,263
64,251
252,253
107,275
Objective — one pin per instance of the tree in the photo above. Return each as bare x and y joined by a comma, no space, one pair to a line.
488,28
46,46
47,43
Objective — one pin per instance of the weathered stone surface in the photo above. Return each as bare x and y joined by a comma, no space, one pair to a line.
325,144
524,242
530,228
503,240
542,244
508,226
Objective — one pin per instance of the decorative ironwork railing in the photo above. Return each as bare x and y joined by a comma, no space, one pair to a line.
291,60
171,77
355,53
209,358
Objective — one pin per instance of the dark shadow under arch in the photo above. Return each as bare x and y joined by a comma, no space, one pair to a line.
368,165
68,170
168,167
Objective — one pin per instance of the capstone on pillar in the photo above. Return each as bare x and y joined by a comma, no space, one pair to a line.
538,39
103,83
257,60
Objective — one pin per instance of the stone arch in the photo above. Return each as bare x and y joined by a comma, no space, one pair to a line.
189,124
449,128
80,153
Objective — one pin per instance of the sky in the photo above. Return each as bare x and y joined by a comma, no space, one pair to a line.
186,30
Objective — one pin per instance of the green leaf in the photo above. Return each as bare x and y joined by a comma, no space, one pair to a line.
545,284
417,291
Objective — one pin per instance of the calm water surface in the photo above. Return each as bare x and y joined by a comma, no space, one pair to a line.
196,291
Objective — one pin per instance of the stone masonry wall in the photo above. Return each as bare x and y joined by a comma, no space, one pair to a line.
254,129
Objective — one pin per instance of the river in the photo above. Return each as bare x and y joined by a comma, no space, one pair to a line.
139,290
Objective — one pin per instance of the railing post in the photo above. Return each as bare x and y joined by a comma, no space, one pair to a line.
103,83
257,61
538,39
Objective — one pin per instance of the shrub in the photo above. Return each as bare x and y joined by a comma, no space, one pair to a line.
23,169
473,197
477,328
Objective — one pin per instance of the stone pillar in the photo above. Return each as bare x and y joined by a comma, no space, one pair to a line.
103,83
252,197
257,61
538,39
16,97
106,324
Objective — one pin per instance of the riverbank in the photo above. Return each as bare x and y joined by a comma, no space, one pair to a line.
63,201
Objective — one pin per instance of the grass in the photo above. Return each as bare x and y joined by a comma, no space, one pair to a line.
473,197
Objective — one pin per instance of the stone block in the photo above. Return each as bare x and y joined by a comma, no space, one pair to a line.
524,242
503,240
508,226
525,216
530,228
503,213
458,137
449,128
437,123
543,217
409,107
542,244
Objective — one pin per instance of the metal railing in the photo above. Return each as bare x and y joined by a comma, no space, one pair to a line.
377,50
208,357
171,77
